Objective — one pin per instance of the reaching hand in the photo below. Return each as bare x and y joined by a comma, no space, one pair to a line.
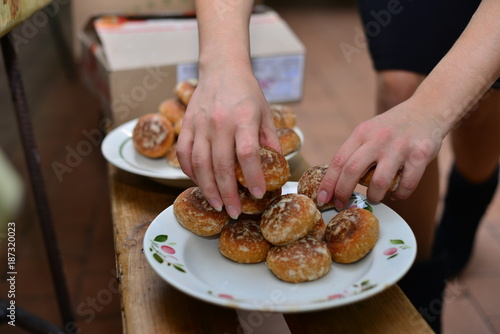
227,118
402,137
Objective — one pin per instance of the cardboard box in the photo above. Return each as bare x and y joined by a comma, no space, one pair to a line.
82,11
133,65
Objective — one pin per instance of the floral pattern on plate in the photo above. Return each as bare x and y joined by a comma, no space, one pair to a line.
163,252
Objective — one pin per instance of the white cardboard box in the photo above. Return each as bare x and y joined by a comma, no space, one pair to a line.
133,65
82,11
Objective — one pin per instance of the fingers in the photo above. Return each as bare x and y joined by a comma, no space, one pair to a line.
248,154
381,182
351,163
184,151
332,180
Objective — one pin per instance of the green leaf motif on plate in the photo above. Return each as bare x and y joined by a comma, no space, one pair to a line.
396,241
161,238
158,258
178,266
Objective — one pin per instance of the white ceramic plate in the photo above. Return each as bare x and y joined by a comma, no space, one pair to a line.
194,265
118,149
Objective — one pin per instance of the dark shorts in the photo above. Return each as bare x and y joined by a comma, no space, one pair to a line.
413,35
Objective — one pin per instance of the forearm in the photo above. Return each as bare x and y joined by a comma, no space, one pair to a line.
223,33
461,78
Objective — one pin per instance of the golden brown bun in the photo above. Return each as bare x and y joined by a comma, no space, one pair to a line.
153,135
279,121
319,228
303,260
367,178
242,242
254,206
185,89
274,166
309,183
289,140
351,234
172,109
288,114
194,212
288,218
172,158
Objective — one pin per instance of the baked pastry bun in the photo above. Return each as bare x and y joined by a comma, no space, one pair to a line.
274,166
254,206
351,234
303,260
289,140
287,114
185,89
309,183
367,178
153,135
319,228
172,109
194,212
288,218
172,158
279,121
242,242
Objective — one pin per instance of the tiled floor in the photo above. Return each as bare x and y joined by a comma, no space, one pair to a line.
339,93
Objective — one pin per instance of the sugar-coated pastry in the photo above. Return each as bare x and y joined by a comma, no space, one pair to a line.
242,242
185,89
279,121
172,158
303,260
173,109
274,166
194,212
309,183
288,218
287,113
254,206
153,135
319,228
367,178
289,140
351,234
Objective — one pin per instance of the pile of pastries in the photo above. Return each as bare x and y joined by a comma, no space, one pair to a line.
155,134
286,231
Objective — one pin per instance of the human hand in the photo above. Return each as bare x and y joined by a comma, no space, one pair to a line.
227,117
402,137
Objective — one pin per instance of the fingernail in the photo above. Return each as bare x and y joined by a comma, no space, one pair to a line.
232,212
321,198
338,204
257,192
216,204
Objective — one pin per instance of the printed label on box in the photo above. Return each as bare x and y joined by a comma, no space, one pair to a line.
280,77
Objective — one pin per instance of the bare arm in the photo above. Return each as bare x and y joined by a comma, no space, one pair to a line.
411,133
228,110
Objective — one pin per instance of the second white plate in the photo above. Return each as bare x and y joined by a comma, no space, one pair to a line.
118,149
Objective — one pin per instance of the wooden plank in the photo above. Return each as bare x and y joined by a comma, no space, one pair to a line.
389,312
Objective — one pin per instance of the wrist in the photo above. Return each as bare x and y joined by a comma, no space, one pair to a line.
217,63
